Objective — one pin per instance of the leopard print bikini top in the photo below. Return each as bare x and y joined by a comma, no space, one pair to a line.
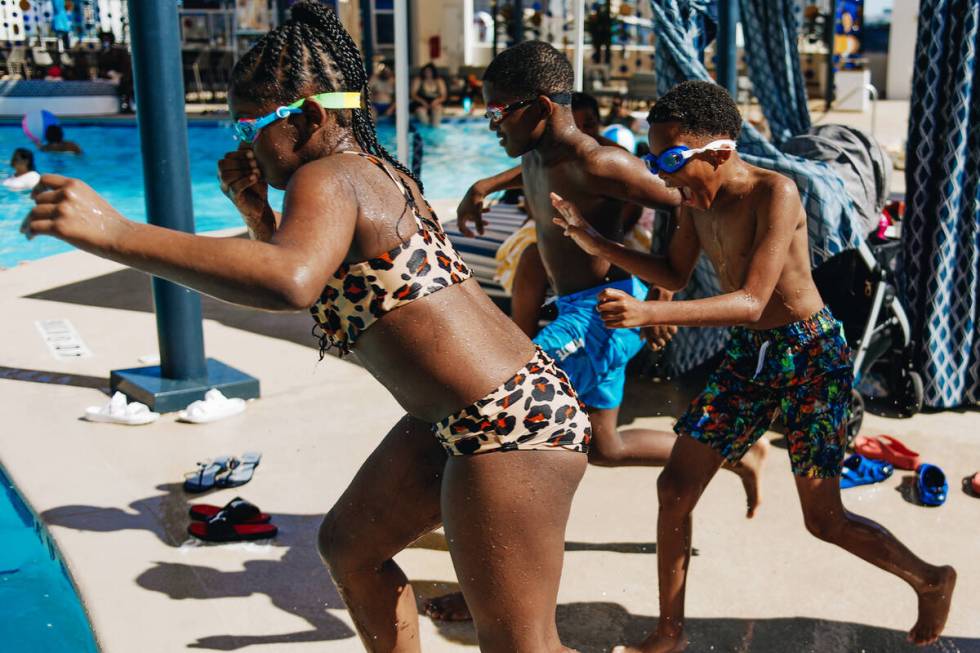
358,294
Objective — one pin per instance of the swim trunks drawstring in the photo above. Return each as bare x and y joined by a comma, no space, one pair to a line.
762,358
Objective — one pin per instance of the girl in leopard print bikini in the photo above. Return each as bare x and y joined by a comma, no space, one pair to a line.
493,443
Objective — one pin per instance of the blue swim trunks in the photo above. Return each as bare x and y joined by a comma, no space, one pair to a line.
593,357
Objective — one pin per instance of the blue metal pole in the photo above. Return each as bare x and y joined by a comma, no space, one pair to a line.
367,35
158,77
727,49
830,32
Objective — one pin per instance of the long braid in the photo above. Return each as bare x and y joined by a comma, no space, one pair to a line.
313,48
344,53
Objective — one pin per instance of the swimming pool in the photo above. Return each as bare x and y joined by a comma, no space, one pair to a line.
455,155
39,608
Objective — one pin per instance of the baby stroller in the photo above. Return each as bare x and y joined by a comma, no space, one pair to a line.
859,284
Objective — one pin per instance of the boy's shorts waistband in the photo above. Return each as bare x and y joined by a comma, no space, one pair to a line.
631,285
821,322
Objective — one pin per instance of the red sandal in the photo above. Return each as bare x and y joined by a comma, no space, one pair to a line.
219,529
889,449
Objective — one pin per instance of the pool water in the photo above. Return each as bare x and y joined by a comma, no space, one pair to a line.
455,155
39,608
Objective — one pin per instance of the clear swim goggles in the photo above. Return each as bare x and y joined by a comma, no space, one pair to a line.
675,158
247,129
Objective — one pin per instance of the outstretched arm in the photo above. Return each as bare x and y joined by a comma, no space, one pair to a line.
287,273
778,219
471,208
625,177
670,272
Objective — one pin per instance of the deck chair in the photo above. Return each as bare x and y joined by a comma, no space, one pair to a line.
41,57
479,252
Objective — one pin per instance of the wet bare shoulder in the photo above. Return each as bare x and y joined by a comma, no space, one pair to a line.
605,160
778,196
327,175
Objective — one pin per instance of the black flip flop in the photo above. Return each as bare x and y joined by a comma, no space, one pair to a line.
238,511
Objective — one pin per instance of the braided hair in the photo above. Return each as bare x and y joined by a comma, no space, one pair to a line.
312,49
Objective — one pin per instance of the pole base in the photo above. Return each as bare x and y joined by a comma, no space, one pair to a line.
147,386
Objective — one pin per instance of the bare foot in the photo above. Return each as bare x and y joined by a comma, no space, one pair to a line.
749,469
933,608
448,607
657,643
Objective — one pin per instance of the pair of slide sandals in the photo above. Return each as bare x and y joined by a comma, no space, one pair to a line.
237,521
930,480
222,472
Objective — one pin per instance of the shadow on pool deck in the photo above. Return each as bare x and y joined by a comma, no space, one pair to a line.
165,515
54,378
596,627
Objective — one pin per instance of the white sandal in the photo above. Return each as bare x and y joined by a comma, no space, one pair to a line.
118,411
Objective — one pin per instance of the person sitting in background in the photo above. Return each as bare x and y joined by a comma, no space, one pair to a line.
53,74
54,136
618,112
382,87
429,94
25,177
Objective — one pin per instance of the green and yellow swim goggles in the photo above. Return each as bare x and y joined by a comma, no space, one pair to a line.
247,129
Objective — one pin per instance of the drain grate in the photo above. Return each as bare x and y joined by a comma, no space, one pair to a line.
62,339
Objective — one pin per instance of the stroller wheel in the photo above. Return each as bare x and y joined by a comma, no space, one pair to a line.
909,394
856,417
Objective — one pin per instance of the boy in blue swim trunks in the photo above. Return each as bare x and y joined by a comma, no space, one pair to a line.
528,90
787,353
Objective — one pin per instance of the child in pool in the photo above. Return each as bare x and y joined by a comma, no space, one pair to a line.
357,242
25,175
787,352
54,136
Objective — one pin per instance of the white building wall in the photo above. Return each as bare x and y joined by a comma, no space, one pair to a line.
901,48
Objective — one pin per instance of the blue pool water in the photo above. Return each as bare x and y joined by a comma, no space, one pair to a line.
455,155
39,608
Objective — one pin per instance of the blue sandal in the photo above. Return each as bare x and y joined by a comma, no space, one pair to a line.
858,470
932,485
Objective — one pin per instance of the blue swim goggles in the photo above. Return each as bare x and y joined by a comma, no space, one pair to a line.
675,158
247,129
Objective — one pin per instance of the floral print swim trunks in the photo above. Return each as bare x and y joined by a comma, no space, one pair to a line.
534,409
802,371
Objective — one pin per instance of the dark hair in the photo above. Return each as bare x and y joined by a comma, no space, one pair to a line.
531,68
429,66
312,49
25,154
702,108
585,101
54,134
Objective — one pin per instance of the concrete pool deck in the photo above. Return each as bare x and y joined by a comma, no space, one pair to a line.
111,497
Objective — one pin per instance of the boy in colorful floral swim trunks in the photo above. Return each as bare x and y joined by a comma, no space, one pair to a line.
787,353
